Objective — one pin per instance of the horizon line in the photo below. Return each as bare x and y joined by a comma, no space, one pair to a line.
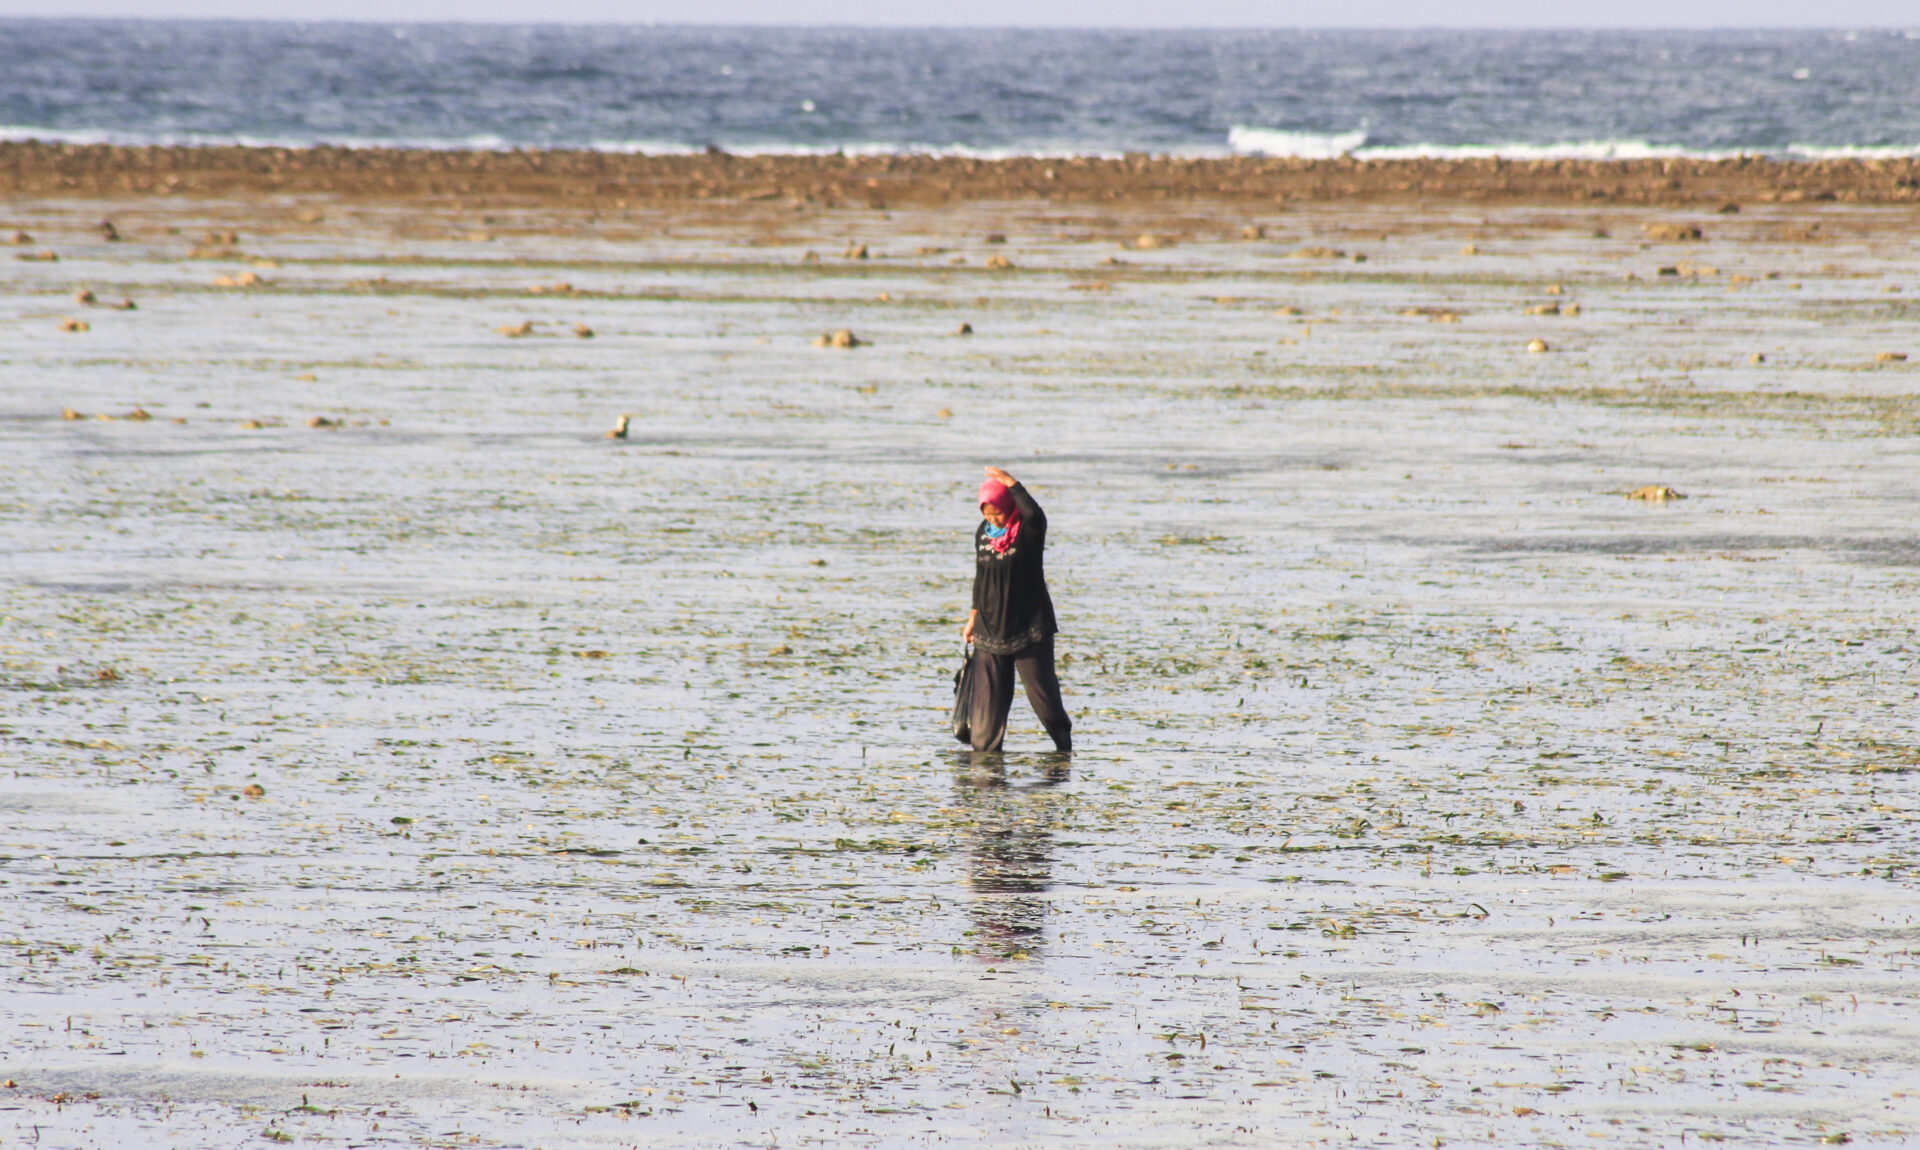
1909,31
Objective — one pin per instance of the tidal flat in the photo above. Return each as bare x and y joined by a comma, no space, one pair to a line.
354,684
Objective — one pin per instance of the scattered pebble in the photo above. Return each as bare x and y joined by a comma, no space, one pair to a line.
964,329
842,338
1654,493
582,331
1890,357
999,263
1537,345
516,330
321,421
70,324
620,428
1673,233
84,296
856,252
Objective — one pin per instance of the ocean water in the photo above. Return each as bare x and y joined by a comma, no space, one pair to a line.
1297,93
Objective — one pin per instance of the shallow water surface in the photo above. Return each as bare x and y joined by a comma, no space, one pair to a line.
452,774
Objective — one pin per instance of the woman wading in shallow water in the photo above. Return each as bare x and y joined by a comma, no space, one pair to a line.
1012,625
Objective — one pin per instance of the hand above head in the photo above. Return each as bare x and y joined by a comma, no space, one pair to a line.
1001,477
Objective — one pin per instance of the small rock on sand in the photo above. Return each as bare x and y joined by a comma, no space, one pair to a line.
516,330
1148,242
139,415
69,414
1654,493
1287,311
964,329
307,377
1891,357
254,791
841,338
856,252
999,263
1537,345
40,257
71,324
1728,209
1315,253
1572,309
1253,232
1757,357
321,421
996,238
1544,309
582,331
84,296
126,305
1673,233
944,413
1555,289
244,279
562,288
1469,250
620,429
19,239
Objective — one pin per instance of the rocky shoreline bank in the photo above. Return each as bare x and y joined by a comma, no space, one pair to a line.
44,170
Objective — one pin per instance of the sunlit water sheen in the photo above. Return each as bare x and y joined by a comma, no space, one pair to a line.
1428,790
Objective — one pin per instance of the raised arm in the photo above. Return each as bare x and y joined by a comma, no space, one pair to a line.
1030,512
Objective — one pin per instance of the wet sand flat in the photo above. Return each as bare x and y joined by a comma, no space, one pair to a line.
390,757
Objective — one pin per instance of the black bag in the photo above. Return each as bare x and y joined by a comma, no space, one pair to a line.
963,700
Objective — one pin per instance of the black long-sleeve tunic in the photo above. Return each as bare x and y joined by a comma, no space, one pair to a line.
1010,590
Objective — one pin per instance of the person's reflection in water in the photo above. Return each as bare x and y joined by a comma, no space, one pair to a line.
1009,851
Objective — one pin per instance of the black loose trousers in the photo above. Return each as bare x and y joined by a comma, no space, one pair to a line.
993,695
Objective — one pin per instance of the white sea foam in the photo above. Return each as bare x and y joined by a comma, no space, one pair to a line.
1307,145
1241,141
1567,150
1853,151
1298,145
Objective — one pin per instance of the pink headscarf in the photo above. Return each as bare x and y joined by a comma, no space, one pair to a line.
993,493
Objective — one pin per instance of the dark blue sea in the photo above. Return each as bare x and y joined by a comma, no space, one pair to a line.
988,93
